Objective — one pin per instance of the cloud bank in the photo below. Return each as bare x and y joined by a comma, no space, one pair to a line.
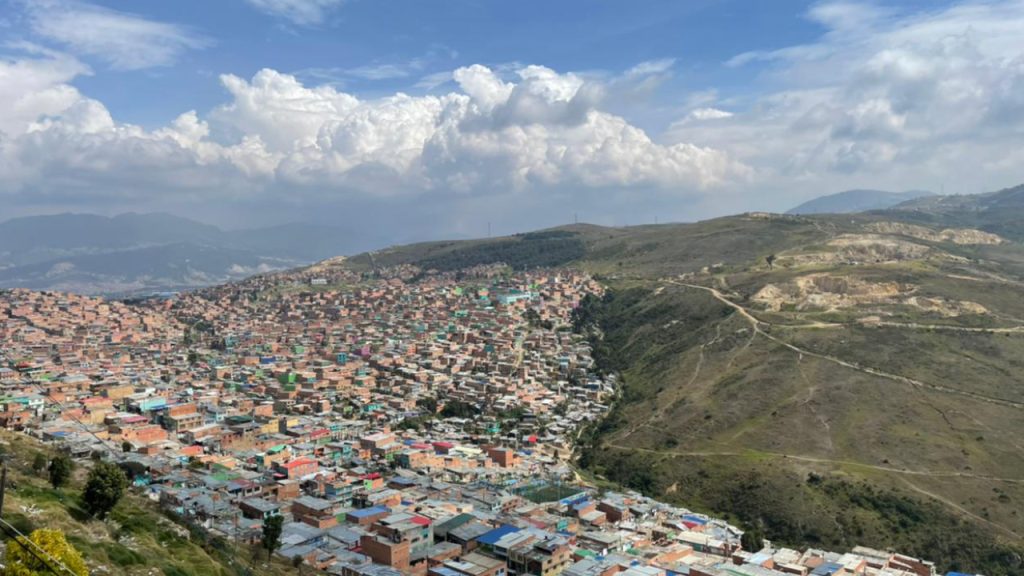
539,130
883,98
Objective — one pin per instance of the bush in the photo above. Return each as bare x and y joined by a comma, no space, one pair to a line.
39,463
21,562
60,470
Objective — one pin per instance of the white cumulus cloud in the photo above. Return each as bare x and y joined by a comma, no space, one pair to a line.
535,130
885,98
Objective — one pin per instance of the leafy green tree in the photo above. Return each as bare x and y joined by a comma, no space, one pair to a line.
105,487
60,470
126,446
411,423
21,562
459,409
532,317
752,540
272,533
39,463
428,404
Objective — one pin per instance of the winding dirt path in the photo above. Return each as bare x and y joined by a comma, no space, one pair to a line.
959,508
814,460
756,325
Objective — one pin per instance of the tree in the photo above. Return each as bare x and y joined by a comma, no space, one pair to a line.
105,487
459,409
39,463
410,423
126,446
428,404
272,533
532,317
21,562
752,540
60,470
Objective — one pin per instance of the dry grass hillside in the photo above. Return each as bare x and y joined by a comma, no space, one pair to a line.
864,388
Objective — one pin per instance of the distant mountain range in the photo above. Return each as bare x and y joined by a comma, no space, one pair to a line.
150,252
138,253
1000,212
857,201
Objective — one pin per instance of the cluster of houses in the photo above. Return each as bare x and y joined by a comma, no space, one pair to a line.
400,422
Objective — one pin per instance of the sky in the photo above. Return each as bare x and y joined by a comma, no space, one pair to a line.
415,119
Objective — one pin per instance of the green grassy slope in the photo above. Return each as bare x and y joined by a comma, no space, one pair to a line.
135,539
720,420
1000,212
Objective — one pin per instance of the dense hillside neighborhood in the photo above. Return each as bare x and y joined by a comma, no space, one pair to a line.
400,421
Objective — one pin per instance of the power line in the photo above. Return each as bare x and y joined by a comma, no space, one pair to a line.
20,538
46,395
7,528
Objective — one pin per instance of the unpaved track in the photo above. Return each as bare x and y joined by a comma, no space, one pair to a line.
756,325
891,469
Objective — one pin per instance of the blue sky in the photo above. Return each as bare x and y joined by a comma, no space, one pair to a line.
400,42
423,118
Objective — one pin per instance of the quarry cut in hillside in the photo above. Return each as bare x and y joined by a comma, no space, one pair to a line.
962,236
858,249
826,292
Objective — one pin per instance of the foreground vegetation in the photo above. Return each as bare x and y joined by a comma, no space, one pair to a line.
135,538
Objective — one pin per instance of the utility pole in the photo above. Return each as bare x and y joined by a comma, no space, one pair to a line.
3,486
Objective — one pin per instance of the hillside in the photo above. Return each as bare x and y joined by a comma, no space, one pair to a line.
851,201
136,539
863,389
998,212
